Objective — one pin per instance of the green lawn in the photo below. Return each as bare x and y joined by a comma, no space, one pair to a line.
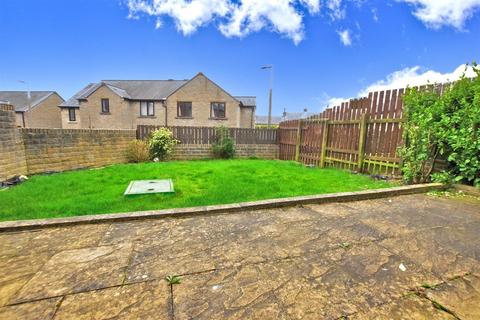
196,183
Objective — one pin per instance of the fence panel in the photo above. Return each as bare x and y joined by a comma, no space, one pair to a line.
360,135
206,135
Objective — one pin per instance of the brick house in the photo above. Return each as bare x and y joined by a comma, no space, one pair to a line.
124,104
35,109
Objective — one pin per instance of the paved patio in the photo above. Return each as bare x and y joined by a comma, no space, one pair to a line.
408,257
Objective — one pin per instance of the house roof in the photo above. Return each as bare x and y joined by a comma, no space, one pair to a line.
264,119
143,90
286,116
247,101
20,99
147,89
129,89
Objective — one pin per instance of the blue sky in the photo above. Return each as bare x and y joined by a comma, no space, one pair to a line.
63,45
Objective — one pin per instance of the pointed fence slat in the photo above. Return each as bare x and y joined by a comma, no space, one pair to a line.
360,135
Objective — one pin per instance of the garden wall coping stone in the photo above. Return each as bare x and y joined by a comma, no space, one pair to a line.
19,225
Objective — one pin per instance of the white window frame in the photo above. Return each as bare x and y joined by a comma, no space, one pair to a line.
147,108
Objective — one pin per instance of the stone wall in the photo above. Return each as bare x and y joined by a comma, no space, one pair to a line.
12,156
31,150
66,149
203,151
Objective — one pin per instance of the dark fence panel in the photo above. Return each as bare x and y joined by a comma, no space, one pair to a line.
360,134
206,135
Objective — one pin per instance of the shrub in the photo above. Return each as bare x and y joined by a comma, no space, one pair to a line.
161,143
421,115
443,177
224,146
138,151
447,125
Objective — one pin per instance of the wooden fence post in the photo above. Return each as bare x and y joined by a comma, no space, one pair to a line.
324,144
299,140
361,142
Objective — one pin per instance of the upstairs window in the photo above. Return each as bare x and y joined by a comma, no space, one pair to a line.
184,109
217,110
105,106
147,108
71,114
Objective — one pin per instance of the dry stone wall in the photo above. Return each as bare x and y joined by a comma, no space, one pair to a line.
30,151
66,149
204,151
12,155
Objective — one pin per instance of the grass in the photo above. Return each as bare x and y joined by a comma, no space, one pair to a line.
196,183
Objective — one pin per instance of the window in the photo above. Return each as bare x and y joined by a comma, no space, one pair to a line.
184,109
217,110
105,106
71,114
147,108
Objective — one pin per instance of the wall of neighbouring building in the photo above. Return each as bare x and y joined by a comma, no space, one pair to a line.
12,155
202,92
46,114
204,151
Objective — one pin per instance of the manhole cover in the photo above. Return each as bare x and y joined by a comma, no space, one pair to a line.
149,186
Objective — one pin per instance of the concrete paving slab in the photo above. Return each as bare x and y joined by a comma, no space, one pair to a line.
148,300
303,262
460,296
78,270
410,307
41,310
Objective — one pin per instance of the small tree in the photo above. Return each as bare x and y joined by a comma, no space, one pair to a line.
224,146
161,143
138,151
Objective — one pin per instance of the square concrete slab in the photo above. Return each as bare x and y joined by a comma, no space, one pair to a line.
149,186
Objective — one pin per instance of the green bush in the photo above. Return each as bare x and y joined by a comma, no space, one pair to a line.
224,146
421,115
445,125
138,151
443,177
161,143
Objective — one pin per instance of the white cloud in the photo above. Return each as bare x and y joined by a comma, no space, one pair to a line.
252,16
375,14
438,13
234,18
336,10
406,77
325,100
188,15
415,77
345,37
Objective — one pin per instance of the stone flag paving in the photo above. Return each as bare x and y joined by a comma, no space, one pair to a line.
407,257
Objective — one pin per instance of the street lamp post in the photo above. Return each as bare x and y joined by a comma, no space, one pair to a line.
269,67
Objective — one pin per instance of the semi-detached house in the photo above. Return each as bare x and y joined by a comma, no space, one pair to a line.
124,104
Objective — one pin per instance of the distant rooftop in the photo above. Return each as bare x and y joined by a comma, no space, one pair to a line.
130,89
21,101
247,101
141,90
286,116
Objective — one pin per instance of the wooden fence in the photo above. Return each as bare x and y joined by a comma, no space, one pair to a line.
361,135
206,135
